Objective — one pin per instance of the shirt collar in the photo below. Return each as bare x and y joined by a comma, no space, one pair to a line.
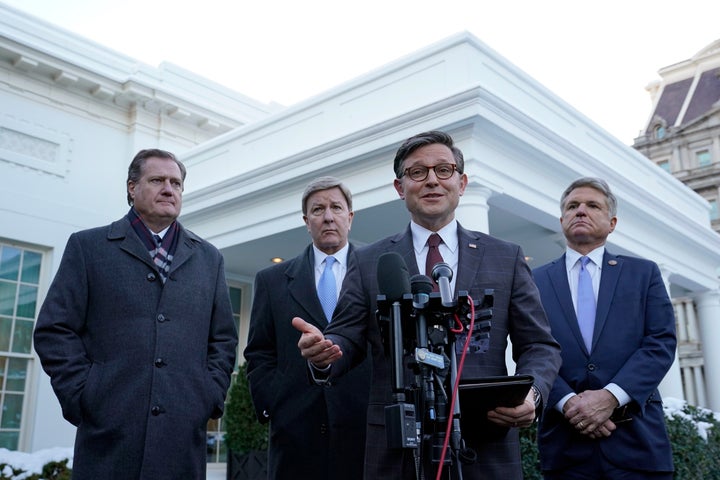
340,255
448,233
572,256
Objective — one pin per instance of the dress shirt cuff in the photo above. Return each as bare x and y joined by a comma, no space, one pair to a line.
620,395
559,405
319,375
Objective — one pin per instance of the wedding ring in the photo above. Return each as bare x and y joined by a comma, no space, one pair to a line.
581,425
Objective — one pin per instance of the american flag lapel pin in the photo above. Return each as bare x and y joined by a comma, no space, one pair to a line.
472,245
612,263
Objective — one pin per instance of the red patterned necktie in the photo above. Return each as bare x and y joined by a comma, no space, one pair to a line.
433,256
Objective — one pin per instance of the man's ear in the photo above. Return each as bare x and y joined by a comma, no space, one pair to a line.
399,188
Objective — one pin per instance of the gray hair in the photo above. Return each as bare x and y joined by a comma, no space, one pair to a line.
325,183
597,184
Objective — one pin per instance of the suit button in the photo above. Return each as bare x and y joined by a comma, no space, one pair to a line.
156,410
591,367
323,429
161,318
159,362
151,277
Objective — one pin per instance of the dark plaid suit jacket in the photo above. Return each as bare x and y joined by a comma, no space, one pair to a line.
484,262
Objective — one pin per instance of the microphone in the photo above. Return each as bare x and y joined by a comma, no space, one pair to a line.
421,286
392,276
442,274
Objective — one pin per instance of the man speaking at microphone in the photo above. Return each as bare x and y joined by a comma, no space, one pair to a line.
430,178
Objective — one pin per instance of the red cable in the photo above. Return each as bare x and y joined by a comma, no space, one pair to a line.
457,384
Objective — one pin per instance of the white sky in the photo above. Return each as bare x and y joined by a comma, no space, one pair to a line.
597,56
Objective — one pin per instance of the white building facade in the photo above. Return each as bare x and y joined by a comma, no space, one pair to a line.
74,113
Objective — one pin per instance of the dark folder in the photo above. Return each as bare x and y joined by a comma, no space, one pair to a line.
480,395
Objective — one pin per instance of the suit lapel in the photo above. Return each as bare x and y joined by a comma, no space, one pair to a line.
559,280
470,252
612,266
403,245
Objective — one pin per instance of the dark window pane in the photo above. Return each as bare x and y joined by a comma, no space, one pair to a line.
31,267
27,301
9,440
5,329
22,338
3,362
11,411
17,374
9,263
235,296
7,297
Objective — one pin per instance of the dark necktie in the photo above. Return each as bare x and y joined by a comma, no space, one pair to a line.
585,303
161,258
327,288
433,256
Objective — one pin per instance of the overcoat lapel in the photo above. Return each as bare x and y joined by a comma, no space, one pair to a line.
123,232
185,248
301,288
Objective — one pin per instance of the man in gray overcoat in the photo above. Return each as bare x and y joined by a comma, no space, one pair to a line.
137,335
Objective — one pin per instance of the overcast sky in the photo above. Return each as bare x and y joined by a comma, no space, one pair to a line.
597,56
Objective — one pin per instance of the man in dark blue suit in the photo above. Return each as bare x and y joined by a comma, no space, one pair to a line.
605,417
315,431
430,178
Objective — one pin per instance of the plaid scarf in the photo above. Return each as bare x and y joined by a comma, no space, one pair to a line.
161,250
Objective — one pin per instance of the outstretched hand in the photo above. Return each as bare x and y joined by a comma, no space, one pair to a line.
314,346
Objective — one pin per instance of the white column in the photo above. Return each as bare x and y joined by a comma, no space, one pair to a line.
708,309
472,212
671,385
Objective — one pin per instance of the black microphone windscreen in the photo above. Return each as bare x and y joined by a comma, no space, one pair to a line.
392,276
421,284
442,269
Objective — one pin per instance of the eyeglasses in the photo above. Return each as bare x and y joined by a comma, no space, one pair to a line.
418,173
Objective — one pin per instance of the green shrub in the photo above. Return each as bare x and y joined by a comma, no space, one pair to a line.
243,431
694,434
53,470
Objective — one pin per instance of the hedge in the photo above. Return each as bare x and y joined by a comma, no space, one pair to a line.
694,434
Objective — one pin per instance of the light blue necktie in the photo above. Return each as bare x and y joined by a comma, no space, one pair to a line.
585,303
327,288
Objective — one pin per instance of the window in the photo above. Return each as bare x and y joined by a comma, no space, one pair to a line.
660,132
703,158
19,279
664,164
216,449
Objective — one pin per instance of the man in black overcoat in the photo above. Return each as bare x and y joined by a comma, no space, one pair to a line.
316,431
138,337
